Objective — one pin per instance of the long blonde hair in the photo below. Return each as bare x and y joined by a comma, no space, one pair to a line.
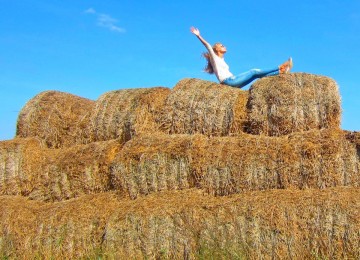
209,67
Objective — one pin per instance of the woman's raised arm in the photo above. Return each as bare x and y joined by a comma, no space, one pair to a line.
196,32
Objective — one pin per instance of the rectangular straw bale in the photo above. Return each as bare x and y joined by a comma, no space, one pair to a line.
293,102
226,165
67,230
314,159
152,163
202,107
274,224
72,172
55,174
16,159
59,119
327,158
277,224
125,113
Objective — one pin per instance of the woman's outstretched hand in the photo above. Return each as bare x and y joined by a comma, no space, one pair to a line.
195,31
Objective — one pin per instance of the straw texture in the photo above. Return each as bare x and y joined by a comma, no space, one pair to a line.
45,174
202,107
293,102
125,113
58,119
200,171
274,224
226,165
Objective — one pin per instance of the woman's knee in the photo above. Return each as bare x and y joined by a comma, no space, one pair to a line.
255,71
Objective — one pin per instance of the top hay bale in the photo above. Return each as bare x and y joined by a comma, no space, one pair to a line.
292,103
125,113
59,119
202,107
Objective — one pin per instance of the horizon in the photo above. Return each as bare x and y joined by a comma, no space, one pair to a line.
88,48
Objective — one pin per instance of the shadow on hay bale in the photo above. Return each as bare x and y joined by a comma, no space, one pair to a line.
202,107
58,119
354,137
226,165
45,174
292,103
125,113
275,224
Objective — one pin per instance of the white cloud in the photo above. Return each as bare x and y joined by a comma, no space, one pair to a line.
90,11
106,21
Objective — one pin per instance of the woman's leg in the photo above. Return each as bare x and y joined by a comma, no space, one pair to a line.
245,78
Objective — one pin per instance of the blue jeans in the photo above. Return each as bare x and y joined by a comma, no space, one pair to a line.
245,78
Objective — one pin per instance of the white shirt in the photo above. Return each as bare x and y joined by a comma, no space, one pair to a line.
221,69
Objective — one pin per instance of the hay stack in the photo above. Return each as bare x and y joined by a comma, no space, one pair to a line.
125,113
16,159
203,107
277,224
55,174
226,165
79,170
58,119
153,163
67,230
292,103
284,196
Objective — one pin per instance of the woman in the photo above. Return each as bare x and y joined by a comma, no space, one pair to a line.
216,65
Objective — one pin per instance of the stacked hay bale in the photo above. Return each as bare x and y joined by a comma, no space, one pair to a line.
67,230
273,224
16,160
45,174
125,113
293,103
202,107
227,165
75,171
227,173
187,224
58,119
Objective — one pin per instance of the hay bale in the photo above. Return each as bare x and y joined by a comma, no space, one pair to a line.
45,174
257,225
67,230
125,113
75,171
226,165
59,119
292,103
16,159
202,107
153,163
275,224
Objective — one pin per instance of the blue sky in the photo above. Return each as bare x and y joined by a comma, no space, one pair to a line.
91,47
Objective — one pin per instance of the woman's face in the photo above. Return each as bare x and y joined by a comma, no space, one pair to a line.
220,48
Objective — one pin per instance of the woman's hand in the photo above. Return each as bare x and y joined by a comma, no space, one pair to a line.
195,31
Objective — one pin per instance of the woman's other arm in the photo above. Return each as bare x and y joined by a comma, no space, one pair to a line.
196,32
